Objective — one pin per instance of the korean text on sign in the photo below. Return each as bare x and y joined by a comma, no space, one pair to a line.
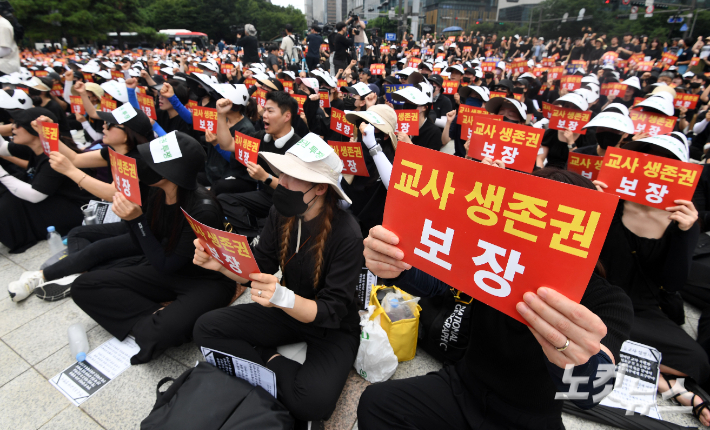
555,73
204,119
566,119
468,123
231,250
586,165
648,179
260,96
108,105
408,122
615,89
519,67
377,69
571,82
125,176
689,101
246,148
300,99
324,97
49,136
351,154
77,105
516,145
450,87
492,232
652,123
467,110
147,105
389,89
340,124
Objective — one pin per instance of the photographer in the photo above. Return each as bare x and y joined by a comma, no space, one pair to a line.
314,40
288,46
341,44
250,44
358,34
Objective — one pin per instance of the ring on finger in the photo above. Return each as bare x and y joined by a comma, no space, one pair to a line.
259,293
564,347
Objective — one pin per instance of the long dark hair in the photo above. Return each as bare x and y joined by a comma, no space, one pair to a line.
134,139
572,178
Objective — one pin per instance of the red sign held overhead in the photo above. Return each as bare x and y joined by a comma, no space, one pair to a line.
125,176
77,105
492,232
340,124
586,165
147,105
324,99
648,179
652,123
377,69
231,250
450,87
516,145
566,119
571,82
351,154
204,119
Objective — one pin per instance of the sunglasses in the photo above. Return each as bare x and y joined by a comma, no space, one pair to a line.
110,126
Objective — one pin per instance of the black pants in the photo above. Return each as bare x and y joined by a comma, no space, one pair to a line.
700,298
23,224
680,352
310,391
340,65
312,62
439,400
232,186
89,246
126,300
242,210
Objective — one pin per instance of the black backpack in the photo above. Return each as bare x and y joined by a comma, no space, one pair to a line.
206,398
445,325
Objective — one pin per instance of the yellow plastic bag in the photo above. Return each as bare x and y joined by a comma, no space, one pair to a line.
402,334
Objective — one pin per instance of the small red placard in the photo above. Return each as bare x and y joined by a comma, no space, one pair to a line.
566,119
204,119
340,124
516,145
586,165
408,122
49,136
246,148
351,154
652,123
125,176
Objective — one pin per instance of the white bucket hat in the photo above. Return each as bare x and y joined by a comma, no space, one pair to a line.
612,120
662,102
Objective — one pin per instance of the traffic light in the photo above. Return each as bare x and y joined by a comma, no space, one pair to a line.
501,23
478,22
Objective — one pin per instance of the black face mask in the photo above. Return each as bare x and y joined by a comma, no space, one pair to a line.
518,90
349,103
695,85
34,92
147,175
606,139
489,75
466,79
290,203
200,92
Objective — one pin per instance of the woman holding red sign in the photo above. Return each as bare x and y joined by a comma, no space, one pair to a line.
316,244
647,253
510,372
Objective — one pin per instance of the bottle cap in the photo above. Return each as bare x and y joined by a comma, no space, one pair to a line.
394,302
81,356
50,229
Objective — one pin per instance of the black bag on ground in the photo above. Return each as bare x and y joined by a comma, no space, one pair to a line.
206,398
444,325
699,275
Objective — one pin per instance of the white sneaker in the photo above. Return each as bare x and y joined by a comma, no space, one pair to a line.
58,289
21,289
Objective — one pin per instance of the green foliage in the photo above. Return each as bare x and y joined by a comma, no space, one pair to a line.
90,20
385,24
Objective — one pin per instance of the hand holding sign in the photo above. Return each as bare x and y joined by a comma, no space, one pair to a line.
124,208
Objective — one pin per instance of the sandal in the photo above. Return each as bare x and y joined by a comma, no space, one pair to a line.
697,410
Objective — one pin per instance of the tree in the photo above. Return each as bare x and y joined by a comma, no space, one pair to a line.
385,24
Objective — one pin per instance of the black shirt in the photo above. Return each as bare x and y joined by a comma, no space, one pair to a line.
342,43
335,293
46,180
441,107
251,49
429,136
655,54
558,151
314,42
576,53
271,61
175,123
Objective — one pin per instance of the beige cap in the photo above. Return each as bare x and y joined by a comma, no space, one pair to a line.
91,87
382,117
311,160
37,84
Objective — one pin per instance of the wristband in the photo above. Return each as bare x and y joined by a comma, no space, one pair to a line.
283,297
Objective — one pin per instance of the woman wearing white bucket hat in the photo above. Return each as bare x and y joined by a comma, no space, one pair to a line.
318,247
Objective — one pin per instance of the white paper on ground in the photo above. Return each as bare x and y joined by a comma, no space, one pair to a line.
104,212
255,374
640,380
82,380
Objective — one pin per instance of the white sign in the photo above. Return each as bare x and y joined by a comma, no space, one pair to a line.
125,113
255,374
311,148
165,148
649,11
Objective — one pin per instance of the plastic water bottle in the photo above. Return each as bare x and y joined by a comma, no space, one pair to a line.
78,343
398,312
55,241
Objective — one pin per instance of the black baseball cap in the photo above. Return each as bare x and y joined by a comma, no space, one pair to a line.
24,118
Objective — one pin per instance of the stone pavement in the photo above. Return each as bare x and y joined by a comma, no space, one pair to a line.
34,348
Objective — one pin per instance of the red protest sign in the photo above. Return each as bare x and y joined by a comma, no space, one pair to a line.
116,74
668,58
414,62
260,96
49,136
566,119
351,154
227,68
468,110
694,61
637,100
288,85
586,165
468,121
555,73
408,122
88,77
488,66
57,90
548,62
519,67
324,47
610,56
688,101
342,83
191,105
571,82
125,176
300,99
450,87
644,66
377,69
492,232
40,73
108,104
516,145
340,124
635,59
539,71
147,105
231,250
193,69
495,94
324,99
204,119
468,48
615,89
384,49
652,123
249,82
648,179
246,148
77,105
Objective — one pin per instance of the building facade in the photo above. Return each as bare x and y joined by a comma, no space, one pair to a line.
445,13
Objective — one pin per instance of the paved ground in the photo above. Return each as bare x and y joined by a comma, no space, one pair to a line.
33,348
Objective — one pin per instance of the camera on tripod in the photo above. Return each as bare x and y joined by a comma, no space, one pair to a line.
237,30
352,28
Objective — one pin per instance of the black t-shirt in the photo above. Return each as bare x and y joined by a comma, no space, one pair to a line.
655,54
440,108
576,53
314,42
686,55
175,123
630,47
251,49
429,136
145,188
54,107
587,150
46,180
342,43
